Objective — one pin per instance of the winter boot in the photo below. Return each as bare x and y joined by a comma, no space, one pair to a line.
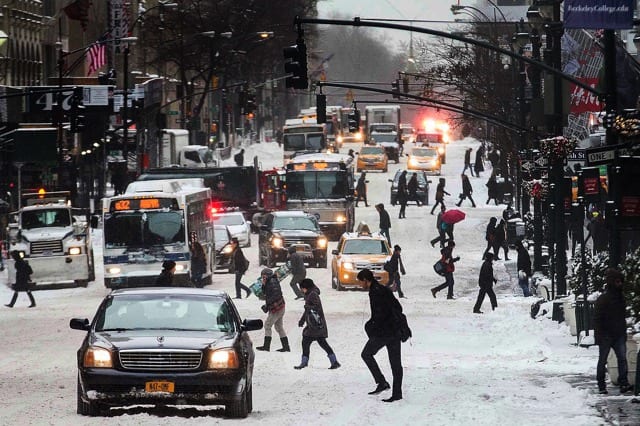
285,345
13,300
334,362
33,301
267,344
303,363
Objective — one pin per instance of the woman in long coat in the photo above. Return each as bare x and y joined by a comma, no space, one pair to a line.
478,166
23,273
316,326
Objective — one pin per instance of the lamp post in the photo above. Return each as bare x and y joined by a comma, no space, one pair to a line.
125,106
3,40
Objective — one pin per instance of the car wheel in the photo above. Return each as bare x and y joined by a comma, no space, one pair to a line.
238,409
334,281
250,399
248,240
88,408
92,269
386,169
339,285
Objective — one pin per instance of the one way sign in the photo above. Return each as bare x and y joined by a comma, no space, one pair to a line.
541,161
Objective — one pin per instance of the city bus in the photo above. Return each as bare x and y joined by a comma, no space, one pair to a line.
154,221
322,184
303,136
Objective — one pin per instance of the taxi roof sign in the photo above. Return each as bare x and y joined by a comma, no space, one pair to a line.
363,229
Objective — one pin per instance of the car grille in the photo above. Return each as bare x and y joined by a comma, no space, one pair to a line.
370,266
42,247
297,240
180,388
160,360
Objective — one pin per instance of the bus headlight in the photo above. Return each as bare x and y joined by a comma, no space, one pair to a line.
322,242
75,250
276,242
341,219
114,270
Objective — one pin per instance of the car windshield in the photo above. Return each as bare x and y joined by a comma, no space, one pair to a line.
228,219
304,142
382,137
422,180
365,247
317,185
143,229
165,312
424,152
372,150
429,138
45,218
295,223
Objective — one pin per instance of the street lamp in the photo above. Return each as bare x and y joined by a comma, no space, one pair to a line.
125,97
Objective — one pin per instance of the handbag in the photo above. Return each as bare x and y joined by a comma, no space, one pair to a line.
440,267
314,319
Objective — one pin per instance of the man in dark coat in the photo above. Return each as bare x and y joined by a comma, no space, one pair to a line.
449,261
396,268
440,193
361,189
382,331
403,195
165,279
524,268
441,228
467,161
274,307
478,165
500,241
412,188
239,158
467,190
23,272
298,271
490,234
238,267
485,282
385,221
316,326
610,330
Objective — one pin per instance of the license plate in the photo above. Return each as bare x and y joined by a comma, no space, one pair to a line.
47,253
298,248
159,387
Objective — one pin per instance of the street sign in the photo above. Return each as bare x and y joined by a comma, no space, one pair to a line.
601,155
578,155
173,112
541,161
527,166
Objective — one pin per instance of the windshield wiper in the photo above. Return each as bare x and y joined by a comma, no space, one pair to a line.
118,329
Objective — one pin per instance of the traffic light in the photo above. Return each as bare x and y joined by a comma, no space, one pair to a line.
395,88
354,121
297,64
321,109
250,105
76,111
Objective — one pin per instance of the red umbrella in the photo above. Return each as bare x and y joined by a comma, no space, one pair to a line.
453,216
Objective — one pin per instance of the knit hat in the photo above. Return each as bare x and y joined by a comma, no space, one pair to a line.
168,265
266,272
291,249
307,283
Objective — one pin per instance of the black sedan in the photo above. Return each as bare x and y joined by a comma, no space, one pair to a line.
165,346
423,186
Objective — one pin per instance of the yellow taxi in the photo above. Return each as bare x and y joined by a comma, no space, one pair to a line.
372,158
424,158
356,251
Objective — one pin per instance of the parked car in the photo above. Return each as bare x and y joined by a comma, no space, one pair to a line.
372,158
390,143
423,186
292,228
356,251
223,247
237,224
426,159
165,346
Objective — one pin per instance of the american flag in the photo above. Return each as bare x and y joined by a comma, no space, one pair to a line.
97,56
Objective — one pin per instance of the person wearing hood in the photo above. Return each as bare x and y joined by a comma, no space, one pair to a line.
274,307
396,267
412,188
165,279
298,271
467,190
23,272
610,330
478,165
385,221
403,195
382,331
361,189
485,282
448,259
500,241
467,161
440,193
315,329
490,235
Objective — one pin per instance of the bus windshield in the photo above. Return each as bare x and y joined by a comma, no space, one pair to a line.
314,185
304,142
143,229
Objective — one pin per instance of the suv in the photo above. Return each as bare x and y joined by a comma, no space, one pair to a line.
283,229
356,251
423,186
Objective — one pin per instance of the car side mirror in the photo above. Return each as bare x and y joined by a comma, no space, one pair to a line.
80,324
251,324
334,251
390,180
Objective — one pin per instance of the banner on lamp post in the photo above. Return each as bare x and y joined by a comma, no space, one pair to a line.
597,15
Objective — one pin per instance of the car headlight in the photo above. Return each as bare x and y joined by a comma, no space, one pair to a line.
359,136
413,161
227,249
434,163
322,242
440,150
341,219
75,250
348,265
340,139
276,242
179,267
115,270
224,358
96,357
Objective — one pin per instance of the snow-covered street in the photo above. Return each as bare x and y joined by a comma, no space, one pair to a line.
460,368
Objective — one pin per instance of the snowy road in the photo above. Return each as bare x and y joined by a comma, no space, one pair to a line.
459,369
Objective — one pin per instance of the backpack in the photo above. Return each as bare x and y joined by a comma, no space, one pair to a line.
440,267
403,326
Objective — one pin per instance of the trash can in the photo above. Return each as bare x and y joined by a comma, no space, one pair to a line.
583,323
515,230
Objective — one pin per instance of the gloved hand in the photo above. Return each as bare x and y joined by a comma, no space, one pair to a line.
301,323
455,259
264,308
